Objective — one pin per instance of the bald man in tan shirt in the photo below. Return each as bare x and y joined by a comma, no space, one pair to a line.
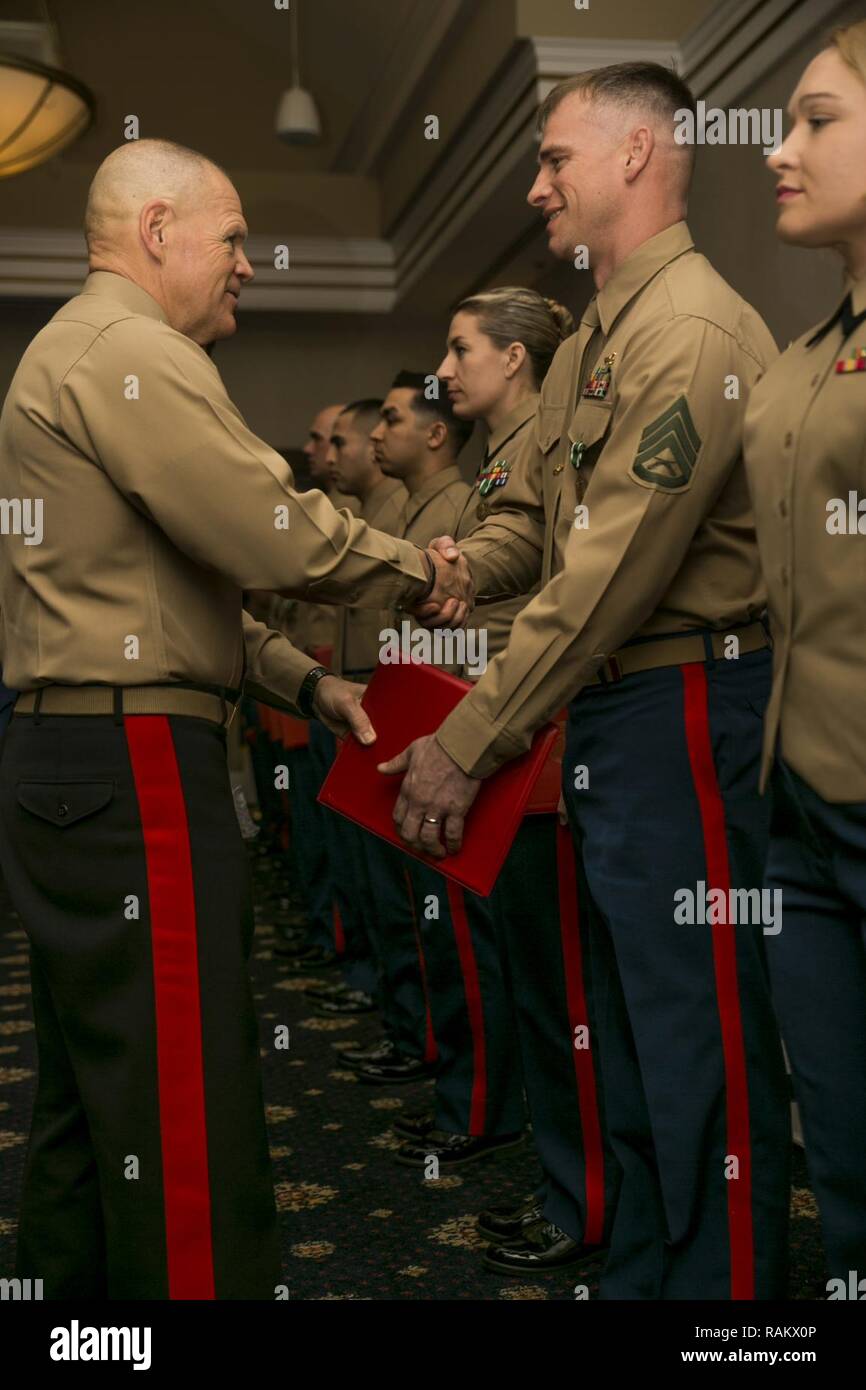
122,624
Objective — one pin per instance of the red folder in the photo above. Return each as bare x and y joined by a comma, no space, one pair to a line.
546,792
405,702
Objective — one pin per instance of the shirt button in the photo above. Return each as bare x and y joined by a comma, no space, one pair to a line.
815,380
63,809
783,508
789,439
482,510
784,576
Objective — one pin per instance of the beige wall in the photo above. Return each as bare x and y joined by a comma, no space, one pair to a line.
733,217
634,19
279,205
280,368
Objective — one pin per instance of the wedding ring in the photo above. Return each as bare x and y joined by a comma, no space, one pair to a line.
432,820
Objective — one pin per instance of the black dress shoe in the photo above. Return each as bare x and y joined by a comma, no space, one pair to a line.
415,1124
319,992
312,961
544,1248
353,1001
394,1072
505,1225
381,1051
291,943
454,1150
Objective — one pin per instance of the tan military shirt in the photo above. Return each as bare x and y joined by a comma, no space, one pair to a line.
434,510
495,620
159,506
436,506
357,642
629,498
805,449
315,624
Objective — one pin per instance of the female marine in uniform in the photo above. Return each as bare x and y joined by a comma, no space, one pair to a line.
805,443
500,345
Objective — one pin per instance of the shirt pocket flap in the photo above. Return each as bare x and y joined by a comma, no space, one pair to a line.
589,423
64,803
551,420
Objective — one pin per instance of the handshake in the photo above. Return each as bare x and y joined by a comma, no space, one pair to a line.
452,597
337,703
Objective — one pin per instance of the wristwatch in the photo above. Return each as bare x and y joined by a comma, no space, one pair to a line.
307,692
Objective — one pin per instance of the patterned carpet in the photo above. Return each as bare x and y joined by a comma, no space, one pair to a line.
355,1225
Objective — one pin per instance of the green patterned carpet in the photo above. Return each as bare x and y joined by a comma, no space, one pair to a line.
355,1225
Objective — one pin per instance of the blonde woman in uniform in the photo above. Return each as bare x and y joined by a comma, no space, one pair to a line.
805,441
500,345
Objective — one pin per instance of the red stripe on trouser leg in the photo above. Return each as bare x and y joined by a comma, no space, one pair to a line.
182,1120
472,989
339,934
431,1051
578,1015
712,810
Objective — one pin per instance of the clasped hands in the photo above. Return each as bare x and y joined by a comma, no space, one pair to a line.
453,595
435,794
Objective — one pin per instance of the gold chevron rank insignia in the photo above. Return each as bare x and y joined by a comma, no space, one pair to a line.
668,449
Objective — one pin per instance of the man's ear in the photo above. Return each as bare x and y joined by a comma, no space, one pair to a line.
437,435
638,149
154,222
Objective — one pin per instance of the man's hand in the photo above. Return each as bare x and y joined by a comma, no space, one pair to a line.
435,794
453,595
337,703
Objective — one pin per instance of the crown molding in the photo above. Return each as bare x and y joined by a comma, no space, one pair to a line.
559,57
736,44
325,274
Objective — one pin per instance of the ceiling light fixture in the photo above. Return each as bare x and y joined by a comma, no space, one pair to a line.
297,118
42,109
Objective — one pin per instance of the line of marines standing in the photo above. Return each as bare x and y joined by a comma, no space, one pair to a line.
649,534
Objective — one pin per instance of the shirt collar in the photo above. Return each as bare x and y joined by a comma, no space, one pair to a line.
434,485
110,285
379,495
507,428
857,291
639,268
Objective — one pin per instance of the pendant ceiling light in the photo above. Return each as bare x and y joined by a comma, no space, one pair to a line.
297,118
42,109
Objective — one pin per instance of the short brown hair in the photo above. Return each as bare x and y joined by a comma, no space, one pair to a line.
660,89
642,86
